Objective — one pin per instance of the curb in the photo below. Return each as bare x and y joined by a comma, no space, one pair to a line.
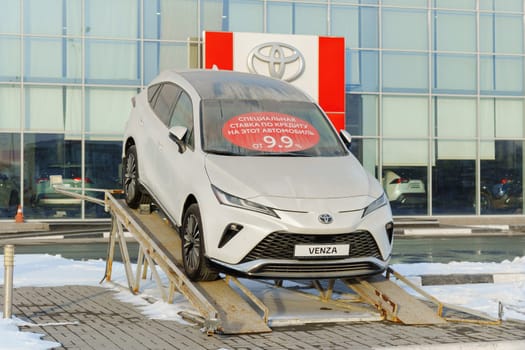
453,279
502,345
457,231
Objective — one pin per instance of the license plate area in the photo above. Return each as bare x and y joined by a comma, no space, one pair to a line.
308,251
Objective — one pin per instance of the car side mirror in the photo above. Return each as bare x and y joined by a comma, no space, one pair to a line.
347,138
177,134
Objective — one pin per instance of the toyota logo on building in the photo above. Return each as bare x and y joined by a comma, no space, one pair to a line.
326,218
278,60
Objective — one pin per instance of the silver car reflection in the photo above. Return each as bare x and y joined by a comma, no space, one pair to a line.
256,179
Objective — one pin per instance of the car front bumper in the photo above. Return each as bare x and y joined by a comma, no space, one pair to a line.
265,246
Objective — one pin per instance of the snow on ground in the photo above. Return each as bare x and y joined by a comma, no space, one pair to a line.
42,270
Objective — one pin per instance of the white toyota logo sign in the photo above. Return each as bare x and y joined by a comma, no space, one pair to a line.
276,59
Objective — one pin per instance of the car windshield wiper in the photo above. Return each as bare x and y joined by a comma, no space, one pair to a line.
283,154
221,152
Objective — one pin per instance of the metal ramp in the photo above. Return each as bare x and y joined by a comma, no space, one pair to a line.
222,308
394,302
227,306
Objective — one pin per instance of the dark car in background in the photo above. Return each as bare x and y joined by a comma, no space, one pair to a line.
501,192
8,196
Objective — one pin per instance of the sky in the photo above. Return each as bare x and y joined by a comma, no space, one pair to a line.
43,270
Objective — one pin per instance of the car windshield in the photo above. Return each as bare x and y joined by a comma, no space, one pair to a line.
267,128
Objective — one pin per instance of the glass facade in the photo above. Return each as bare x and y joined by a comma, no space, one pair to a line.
435,91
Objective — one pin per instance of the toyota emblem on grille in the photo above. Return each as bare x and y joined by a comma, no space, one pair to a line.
326,218
278,60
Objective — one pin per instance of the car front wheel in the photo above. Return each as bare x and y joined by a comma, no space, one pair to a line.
131,183
194,260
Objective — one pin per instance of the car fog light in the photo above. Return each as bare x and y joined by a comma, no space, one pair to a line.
229,232
389,227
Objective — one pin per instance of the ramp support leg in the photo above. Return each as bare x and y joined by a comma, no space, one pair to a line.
111,249
125,259
324,294
250,295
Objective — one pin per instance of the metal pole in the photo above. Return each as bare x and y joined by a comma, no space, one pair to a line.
9,263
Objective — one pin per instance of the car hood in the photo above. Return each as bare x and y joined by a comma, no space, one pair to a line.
273,180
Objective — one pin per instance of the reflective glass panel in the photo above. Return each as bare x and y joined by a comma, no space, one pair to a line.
53,60
508,34
279,18
395,68
501,190
455,124
53,108
508,118
46,155
405,3
498,5
366,150
115,18
10,16
405,152
310,19
404,29
107,110
405,117
455,73
212,16
245,16
501,75
361,114
159,56
9,107
453,187
61,17
345,22
486,32
455,31
104,170
112,62
368,27
362,70
456,4
9,174
9,59
170,20
501,33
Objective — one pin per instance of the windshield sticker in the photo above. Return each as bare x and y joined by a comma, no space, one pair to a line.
270,132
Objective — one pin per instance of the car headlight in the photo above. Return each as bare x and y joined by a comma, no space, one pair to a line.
233,201
378,203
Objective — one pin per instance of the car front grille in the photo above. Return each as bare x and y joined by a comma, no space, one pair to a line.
281,245
298,269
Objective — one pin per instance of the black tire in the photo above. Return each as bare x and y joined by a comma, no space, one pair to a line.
194,260
485,203
130,182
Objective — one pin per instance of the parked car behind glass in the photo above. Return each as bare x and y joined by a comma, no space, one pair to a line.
50,201
255,177
8,196
401,189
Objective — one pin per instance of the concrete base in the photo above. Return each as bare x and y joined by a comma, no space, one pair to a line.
13,227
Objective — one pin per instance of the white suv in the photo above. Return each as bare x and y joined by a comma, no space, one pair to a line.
255,177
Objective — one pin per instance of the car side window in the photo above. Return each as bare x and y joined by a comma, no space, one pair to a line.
166,98
153,93
183,116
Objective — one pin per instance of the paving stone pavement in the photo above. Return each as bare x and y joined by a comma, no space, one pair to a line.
87,317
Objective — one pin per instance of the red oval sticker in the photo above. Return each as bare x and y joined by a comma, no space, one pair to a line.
270,132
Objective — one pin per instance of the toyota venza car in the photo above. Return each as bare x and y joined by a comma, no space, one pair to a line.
254,176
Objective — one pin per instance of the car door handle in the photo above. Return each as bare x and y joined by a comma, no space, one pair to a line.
141,122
